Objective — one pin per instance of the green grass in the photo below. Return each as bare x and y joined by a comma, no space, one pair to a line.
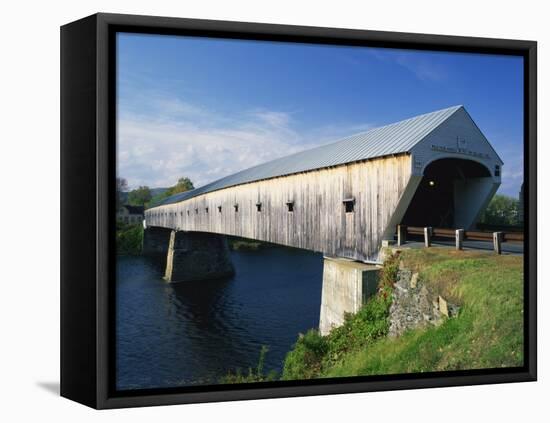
252,375
314,354
487,333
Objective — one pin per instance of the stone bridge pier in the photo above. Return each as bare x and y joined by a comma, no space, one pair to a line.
192,256
156,241
189,256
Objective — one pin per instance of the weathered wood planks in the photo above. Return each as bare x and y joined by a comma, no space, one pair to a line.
319,221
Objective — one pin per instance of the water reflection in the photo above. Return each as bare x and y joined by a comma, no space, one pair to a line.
194,333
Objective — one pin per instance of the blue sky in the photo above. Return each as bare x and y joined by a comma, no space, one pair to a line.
206,108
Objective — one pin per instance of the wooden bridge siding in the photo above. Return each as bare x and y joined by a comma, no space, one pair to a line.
319,221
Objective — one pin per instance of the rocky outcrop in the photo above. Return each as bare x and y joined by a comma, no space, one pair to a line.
414,306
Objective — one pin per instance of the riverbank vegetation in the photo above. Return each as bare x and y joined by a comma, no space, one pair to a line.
129,238
256,374
313,354
486,333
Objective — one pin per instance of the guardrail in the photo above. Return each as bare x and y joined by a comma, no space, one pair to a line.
459,235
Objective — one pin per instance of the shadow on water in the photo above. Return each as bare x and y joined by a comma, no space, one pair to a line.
196,332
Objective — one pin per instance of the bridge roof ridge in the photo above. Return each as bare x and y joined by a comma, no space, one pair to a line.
394,138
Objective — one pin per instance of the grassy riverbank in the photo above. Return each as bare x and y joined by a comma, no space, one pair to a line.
487,333
314,354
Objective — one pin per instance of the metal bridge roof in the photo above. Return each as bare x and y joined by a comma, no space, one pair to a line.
386,140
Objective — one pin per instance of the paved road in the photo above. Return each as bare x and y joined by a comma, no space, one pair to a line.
507,247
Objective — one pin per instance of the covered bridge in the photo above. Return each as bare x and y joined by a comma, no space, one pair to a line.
344,198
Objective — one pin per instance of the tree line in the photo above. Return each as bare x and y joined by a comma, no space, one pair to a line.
143,195
501,211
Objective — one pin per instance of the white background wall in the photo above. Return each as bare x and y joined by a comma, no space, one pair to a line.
29,171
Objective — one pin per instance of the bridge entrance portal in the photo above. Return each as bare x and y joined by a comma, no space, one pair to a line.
450,194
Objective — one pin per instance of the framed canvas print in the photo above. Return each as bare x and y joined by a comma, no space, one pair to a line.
255,211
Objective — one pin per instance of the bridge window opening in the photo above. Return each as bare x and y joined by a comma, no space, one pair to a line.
236,208
187,212
259,207
219,209
196,211
206,209
181,213
349,204
290,205
497,170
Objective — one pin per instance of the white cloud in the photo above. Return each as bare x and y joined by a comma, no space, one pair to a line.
274,119
175,139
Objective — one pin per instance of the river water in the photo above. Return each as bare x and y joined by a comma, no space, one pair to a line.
181,334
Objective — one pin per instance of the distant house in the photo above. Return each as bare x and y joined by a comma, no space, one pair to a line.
130,214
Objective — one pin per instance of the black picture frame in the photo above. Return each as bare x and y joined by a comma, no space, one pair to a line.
88,194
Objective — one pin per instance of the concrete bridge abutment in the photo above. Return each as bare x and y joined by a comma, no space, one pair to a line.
347,285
